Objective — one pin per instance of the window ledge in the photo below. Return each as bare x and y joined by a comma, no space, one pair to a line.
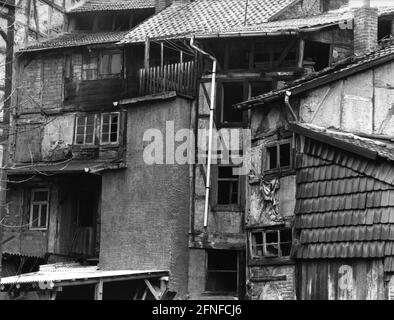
271,261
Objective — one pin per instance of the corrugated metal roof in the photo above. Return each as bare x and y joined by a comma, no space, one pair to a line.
77,39
112,5
202,16
69,272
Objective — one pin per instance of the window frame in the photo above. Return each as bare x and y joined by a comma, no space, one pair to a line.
263,232
228,205
109,75
40,203
207,271
76,130
109,133
267,162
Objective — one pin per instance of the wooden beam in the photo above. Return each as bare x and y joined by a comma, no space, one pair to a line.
152,290
53,5
147,52
301,53
27,26
98,290
284,54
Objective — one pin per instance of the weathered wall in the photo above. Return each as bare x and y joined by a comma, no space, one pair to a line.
300,9
344,279
360,103
145,209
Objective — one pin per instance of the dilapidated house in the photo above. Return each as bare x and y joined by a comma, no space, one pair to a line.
320,188
80,187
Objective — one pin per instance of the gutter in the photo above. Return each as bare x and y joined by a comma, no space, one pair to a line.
211,119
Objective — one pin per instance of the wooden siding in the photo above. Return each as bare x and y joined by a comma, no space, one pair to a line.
340,280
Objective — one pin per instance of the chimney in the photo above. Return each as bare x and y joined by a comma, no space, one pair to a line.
365,29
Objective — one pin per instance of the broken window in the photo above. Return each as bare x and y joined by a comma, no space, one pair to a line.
317,55
111,64
278,156
272,242
85,130
39,209
228,186
233,92
110,128
222,271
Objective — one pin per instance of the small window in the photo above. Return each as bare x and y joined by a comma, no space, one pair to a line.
272,243
111,64
110,128
228,186
39,209
89,67
222,271
85,130
233,93
278,156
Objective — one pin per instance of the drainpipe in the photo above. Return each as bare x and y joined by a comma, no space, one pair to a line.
288,105
211,110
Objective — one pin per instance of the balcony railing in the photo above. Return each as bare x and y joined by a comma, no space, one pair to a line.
179,77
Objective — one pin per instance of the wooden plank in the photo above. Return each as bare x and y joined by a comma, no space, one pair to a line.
151,289
98,290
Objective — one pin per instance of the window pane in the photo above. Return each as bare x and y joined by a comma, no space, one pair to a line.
272,157
272,250
284,150
105,137
271,236
232,93
36,209
234,193
40,196
81,121
104,67
43,221
79,139
224,192
116,63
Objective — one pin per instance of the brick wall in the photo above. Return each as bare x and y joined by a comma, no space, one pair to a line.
145,209
365,30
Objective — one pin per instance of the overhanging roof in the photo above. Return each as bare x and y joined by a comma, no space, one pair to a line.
112,5
62,274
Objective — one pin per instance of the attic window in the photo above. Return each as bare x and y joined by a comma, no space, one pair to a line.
271,242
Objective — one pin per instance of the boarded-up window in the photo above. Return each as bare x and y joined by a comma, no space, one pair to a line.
39,209
110,128
85,130
222,271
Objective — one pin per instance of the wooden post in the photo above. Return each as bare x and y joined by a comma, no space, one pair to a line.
27,13
162,54
147,51
98,290
301,52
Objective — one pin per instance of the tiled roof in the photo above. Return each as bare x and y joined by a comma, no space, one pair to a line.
202,16
105,5
382,148
327,75
76,39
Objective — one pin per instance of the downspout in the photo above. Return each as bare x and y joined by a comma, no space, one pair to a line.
211,110
288,105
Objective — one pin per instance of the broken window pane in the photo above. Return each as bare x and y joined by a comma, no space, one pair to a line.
228,186
222,271
272,157
284,151
232,93
285,242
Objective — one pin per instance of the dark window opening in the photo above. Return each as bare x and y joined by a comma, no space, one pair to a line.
228,186
222,271
232,93
239,55
272,243
327,5
122,22
384,29
83,23
317,55
86,211
278,156
104,22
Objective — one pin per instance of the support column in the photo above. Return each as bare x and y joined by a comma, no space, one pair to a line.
98,290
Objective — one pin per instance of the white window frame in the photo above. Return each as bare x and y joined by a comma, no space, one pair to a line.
40,203
84,134
109,133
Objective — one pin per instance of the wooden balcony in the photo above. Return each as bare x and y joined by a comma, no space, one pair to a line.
179,77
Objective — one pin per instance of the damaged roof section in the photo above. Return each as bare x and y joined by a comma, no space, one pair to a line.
185,19
112,5
340,70
77,39
344,197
